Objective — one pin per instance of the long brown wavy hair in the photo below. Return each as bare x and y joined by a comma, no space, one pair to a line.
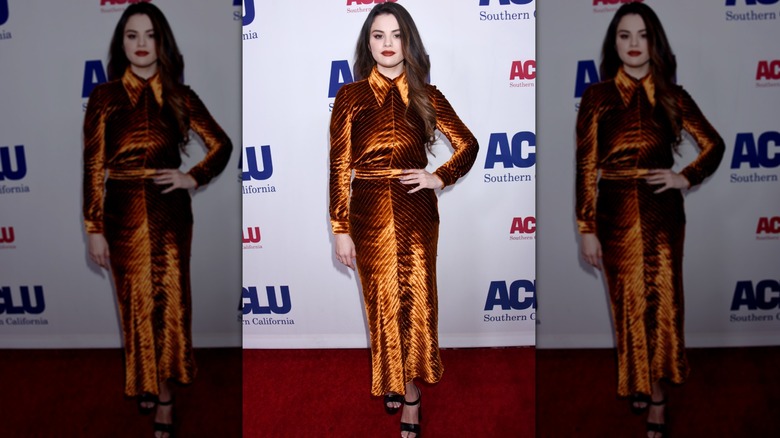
663,65
416,63
170,63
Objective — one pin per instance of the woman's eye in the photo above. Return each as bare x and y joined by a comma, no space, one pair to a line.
377,36
131,36
151,35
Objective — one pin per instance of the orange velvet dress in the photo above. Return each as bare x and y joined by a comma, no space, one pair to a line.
395,233
620,135
128,133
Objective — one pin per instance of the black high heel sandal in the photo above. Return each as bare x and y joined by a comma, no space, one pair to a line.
658,427
166,428
146,398
393,398
638,398
414,428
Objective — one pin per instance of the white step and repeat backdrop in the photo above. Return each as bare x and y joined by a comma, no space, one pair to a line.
295,57
53,53
729,62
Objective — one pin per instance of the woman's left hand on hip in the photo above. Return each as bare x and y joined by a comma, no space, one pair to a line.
423,179
175,178
667,179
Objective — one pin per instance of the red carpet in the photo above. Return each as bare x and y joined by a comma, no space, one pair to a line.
325,393
78,393
731,392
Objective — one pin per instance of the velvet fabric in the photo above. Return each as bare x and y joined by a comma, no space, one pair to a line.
129,133
621,134
395,233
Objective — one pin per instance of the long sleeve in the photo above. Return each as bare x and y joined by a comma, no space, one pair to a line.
463,141
708,140
94,162
217,142
587,160
340,160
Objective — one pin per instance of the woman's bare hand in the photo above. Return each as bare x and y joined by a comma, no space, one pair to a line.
175,178
423,179
667,179
345,250
590,247
97,247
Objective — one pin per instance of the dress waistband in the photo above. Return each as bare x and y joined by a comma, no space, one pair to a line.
623,173
377,173
131,173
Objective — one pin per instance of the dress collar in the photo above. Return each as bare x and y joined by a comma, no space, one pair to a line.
135,84
381,85
627,85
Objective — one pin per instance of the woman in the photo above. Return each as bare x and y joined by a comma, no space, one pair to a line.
629,201
137,209
381,128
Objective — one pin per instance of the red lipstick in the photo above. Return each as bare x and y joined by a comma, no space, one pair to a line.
388,53
634,53
141,53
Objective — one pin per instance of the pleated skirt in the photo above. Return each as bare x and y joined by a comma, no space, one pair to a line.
396,235
149,236
642,236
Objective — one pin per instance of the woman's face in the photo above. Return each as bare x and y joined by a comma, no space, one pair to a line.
631,45
385,44
139,44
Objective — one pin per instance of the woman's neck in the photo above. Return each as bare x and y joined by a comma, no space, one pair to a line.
392,72
144,72
637,72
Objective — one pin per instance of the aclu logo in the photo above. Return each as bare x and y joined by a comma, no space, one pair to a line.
251,238
518,295
15,168
764,295
24,302
519,152
751,2
755,153
121,2
504,2
750,14
612,2
768,228
356,6
94,75
7,238
3,12
368,2
768,71
340,75
259,303
252,235
523,228
587,75
522,73
505,14
254,170
249,12
763,151
523,70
